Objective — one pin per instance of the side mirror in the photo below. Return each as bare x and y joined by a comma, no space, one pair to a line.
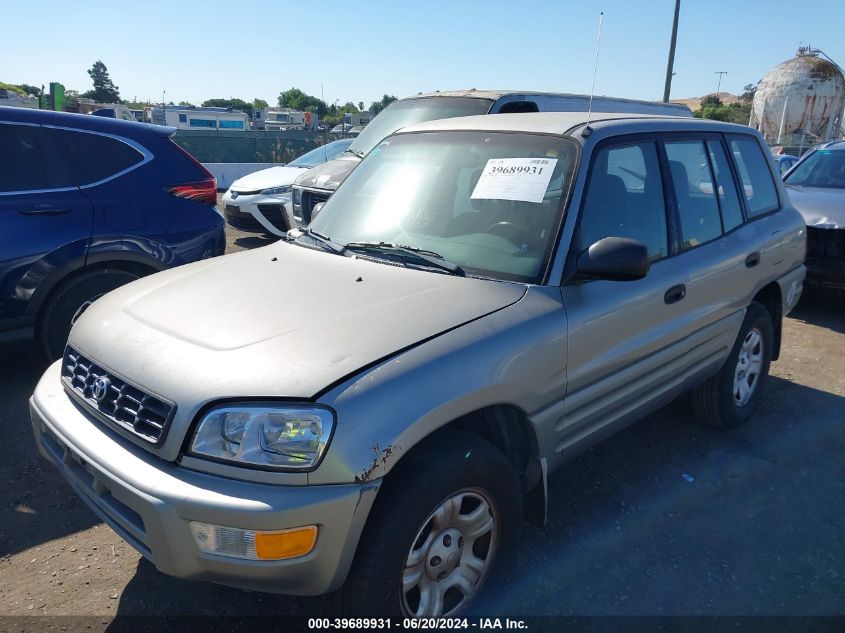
317,208
615,259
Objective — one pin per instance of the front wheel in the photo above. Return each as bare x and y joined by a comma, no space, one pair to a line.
728,399
440,525
68,303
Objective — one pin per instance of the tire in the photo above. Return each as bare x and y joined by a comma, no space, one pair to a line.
68,302
720,400
456,471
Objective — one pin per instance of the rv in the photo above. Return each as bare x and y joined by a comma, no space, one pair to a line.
193,118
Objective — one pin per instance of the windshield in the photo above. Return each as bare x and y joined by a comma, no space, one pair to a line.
822,168
402,113
487,202
322,154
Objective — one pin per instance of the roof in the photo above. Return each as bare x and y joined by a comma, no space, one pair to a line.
832,145
561,122
496,94
80,121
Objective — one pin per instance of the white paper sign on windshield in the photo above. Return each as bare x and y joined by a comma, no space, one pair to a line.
520,179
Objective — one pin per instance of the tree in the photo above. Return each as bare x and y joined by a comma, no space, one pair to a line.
104,89
738,112
30,90
12,88
295,99
360,106
378,106
748,92
711,101
186,103
233,104
259,104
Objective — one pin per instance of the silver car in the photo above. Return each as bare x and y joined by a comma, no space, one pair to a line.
381,405
816,187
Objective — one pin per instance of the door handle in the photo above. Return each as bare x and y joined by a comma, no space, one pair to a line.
43,211
675,294
752,260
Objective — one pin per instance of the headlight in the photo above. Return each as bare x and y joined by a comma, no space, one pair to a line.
274,436
275,191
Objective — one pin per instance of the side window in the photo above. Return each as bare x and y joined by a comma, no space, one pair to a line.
183,118
24,163
93,157
755,174
694,192
728,195
624,198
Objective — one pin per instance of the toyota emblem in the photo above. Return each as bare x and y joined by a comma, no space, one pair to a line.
100,387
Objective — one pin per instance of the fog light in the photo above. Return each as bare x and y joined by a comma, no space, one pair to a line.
252,545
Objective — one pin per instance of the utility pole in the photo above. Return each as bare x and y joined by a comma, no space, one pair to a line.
719,85
669,67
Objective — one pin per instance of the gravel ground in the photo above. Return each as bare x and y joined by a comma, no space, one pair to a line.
668,517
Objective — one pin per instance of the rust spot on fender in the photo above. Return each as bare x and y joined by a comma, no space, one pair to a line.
380,458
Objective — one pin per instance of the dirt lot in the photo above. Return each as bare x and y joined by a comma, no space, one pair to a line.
666,518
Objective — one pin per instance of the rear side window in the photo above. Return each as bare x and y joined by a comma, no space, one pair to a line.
93,157
759,188
624,198
694,192
24,164
728,195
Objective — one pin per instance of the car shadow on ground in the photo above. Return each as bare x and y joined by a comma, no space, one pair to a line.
667,517
24,522
823,307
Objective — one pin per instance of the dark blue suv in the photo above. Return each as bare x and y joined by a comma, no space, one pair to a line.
88,204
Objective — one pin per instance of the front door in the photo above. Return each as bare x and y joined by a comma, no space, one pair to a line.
623,335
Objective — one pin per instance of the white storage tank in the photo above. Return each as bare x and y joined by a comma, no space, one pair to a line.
800,101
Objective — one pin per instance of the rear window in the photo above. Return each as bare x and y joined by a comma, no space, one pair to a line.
24,164
93,157
756,176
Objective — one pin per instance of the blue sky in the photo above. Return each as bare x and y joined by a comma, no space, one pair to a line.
359,50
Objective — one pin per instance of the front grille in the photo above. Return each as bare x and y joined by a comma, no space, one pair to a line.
121,404
311,199
826,243
275,214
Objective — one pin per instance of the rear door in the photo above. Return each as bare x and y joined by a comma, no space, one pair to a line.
717,251
45,220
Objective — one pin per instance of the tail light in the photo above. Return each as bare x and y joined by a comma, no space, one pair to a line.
204,190
199,191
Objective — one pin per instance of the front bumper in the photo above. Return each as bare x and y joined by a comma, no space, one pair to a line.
150,503
260,213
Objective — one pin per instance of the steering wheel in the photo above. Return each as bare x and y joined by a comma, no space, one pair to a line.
509,231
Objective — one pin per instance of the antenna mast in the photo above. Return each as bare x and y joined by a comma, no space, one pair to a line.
595,69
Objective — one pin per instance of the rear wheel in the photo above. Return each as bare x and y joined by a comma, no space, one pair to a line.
443,522
69,302
728,399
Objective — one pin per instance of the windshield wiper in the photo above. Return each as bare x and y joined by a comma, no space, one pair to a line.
323,240
355,152
409,254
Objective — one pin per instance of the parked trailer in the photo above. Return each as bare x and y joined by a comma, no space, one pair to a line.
190,118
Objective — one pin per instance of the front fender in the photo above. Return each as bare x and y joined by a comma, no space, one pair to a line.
516,356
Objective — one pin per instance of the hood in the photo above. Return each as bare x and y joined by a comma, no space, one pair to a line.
329,175
823,208
266,178
279,321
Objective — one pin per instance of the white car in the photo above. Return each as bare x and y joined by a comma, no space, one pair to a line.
261,201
